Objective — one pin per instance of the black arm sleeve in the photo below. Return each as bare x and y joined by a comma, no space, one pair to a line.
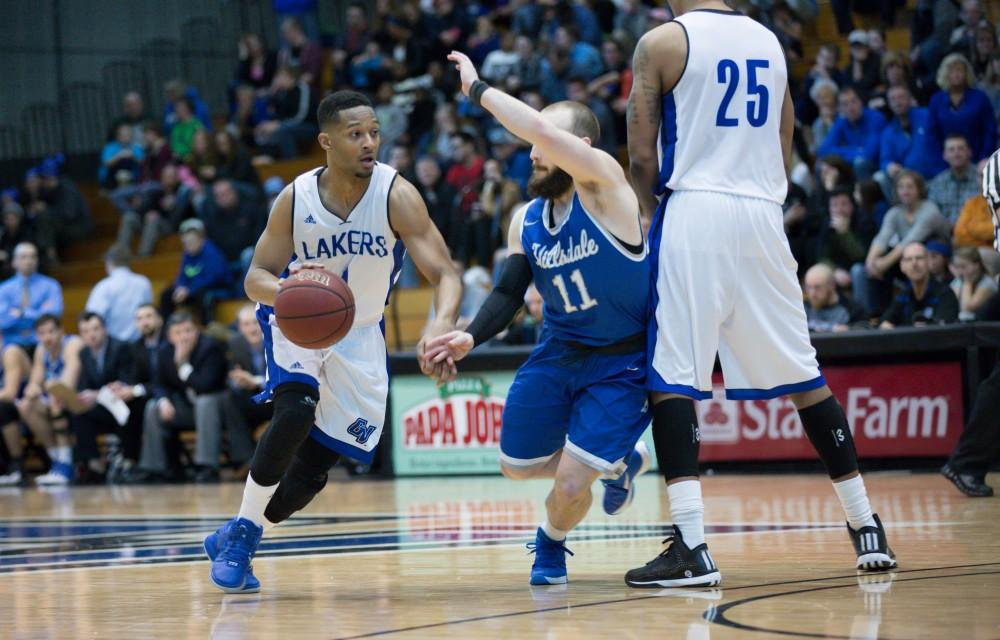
504,301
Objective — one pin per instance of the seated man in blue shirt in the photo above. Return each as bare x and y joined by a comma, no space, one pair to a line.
906,140
203,268
26,297
855,135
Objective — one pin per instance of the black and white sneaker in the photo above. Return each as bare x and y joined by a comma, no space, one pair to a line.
872,548
677,566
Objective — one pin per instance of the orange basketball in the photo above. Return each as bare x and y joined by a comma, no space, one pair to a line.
314,308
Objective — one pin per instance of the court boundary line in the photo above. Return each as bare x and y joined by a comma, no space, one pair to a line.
513,614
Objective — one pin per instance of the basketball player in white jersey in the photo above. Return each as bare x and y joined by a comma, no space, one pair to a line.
710,128
354,217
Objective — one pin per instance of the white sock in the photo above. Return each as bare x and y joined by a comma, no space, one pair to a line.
687,510
554,534
61,454
854,499
255,499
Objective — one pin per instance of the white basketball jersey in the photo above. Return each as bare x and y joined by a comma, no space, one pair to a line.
363,249
720,127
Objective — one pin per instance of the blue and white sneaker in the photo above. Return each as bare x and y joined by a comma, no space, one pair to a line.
239,539
212,544
618,494
550,559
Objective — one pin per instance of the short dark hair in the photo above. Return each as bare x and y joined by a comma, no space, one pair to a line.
149,305
465,137
152,126
87,316
179,317
118,255
331,106
585,124
849,89
46,318
957,136
842,191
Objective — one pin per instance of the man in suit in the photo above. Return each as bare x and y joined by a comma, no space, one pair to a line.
246,379
104,361
190,385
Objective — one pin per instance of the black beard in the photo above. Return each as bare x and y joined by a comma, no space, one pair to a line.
553,185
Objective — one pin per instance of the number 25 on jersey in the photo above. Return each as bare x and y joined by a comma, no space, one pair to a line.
728,73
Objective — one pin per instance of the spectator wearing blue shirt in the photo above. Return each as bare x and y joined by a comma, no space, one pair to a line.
556,71
26,297
960,108
585,59
203,268
855,135
117,297
574,12
120,159
906,142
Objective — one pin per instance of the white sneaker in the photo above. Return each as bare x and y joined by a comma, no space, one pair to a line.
52,479
11,479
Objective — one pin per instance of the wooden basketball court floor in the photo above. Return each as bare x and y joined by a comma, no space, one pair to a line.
445,558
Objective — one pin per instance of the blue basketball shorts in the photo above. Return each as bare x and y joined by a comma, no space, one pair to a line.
594,406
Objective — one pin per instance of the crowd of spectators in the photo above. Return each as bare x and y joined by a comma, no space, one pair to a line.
883,214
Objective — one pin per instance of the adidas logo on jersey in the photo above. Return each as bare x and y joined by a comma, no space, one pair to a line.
296,366
310,219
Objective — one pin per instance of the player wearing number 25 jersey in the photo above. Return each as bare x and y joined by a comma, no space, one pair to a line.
710,128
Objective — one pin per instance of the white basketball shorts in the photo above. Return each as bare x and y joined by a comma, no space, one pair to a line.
726,283
352,377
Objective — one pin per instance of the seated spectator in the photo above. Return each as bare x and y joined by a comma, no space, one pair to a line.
401,159
953,187
233,222
184,129
482,41
826,309
175,91
527,71
576,90
249,112
983,48
960,109
855,136
864,68
906,142
938,260
203,268
872,205
824,95
990,82
13,232
256,64
585,59
466,170
392,120
924,300
514,156
357,34
845,242
158,211
14,373
291,115
895,73
914,219
497,198
557,67
203,161
886,10
631,18
121,160
963,37
974,227
246,379
145,354
56,360
64,218
972,285
930,34
133,116
825,68
527,325
190,391
156,153
500,63
104,363
234,162
300,52
117,297
370,68
442,201
27,297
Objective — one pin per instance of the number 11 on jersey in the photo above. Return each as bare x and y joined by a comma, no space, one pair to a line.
577,278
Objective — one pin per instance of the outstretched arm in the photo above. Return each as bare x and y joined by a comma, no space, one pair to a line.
570,153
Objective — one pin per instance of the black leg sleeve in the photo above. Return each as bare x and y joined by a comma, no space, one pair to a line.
294,416
305,478
676,437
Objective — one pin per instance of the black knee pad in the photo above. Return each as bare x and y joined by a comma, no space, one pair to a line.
826,426
294,416
676,437
306,477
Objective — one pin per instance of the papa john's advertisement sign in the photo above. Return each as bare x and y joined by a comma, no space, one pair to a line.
906,410
448,430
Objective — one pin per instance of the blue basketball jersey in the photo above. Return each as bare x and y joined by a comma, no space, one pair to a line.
595,291
54,366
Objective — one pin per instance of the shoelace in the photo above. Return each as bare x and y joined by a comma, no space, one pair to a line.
238,542
669,541
533,547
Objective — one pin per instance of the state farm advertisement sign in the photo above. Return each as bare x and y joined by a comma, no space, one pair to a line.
893,411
